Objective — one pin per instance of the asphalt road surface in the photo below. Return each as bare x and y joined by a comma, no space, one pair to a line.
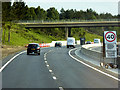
54,68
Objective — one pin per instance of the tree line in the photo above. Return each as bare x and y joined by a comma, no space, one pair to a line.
20,11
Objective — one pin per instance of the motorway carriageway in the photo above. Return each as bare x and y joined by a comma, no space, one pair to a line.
54,68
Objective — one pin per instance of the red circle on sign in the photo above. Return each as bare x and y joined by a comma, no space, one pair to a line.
111,40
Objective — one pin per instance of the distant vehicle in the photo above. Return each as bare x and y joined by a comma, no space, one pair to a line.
70,42
97,41
33,47
59,44
88,42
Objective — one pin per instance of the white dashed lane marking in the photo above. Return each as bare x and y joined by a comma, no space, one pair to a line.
61,88
46,62
54,78
45,58
50,71
48,66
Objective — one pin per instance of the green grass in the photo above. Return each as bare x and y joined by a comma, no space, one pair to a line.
88,36
20,36
91,37
21,40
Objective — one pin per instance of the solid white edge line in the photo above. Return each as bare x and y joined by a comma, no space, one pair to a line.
92,67
3,67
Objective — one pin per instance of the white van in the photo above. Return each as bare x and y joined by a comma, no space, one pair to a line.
97,41
70,42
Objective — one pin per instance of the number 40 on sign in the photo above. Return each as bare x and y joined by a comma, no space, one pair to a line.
110,36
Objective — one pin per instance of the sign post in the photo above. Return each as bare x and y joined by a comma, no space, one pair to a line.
119,50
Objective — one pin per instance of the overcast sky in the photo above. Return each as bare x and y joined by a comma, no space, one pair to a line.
100,6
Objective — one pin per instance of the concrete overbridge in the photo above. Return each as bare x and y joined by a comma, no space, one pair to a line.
69,25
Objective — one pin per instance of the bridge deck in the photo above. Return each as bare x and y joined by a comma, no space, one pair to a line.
72,24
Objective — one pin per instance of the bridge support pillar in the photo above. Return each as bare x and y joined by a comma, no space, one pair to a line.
66,32
69,32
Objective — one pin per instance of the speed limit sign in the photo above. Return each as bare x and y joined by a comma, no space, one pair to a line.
110,39
110,36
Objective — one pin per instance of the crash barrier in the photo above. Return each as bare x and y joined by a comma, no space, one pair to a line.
96,55
26,45
86,50
44,45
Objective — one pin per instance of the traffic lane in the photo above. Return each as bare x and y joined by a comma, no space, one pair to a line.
71,74
6,59
28,71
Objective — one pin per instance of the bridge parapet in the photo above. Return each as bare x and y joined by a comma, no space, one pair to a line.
67,21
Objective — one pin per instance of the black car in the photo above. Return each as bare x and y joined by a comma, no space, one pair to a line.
33,47
59,44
